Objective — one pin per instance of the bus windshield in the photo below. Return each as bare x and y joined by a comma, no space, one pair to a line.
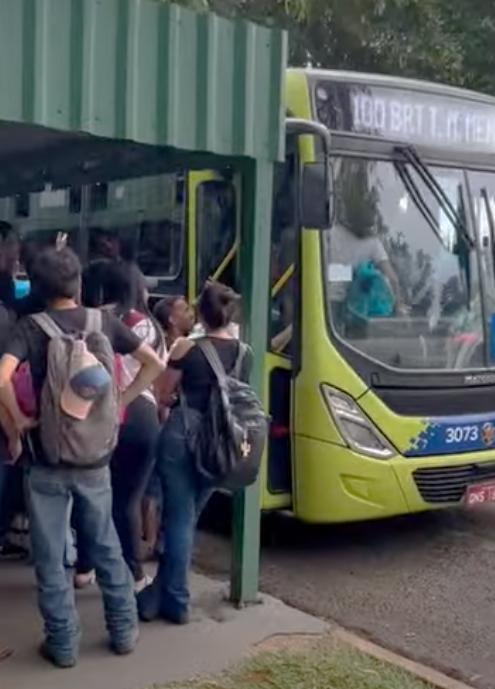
402,274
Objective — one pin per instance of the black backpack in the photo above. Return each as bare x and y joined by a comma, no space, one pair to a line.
228,445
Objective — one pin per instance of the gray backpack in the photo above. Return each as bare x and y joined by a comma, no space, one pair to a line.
227,446
65,439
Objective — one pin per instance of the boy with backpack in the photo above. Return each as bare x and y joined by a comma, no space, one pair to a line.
70,351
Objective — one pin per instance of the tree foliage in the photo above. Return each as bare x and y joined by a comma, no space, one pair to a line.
444,40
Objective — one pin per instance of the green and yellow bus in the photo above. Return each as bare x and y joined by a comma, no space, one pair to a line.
380,361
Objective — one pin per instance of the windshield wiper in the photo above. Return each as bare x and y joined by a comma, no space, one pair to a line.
489,215
418,199
464,247
490,219
412,157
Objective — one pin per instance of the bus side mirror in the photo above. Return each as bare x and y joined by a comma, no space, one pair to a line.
316,196
316,199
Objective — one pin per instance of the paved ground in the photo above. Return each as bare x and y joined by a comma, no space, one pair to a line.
216,638
423,586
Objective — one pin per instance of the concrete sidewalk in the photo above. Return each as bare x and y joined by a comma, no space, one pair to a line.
217,637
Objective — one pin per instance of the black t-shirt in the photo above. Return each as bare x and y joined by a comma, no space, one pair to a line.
7,321
29,343
198,376
31,303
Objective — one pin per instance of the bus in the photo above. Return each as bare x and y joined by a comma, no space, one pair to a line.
390,371
379,365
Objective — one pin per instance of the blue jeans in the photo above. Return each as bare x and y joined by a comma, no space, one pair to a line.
51,494
184,497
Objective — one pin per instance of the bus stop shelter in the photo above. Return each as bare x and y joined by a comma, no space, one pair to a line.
98,90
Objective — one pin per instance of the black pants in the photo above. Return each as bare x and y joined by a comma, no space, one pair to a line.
11,489
132,465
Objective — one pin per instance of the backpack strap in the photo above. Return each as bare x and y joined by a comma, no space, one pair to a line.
94,321
215,362
47,325
213,359
239,362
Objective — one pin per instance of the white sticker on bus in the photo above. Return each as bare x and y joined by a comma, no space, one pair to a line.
338,272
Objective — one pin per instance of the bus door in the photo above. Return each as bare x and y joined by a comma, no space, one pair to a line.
214,214
213,229
284,289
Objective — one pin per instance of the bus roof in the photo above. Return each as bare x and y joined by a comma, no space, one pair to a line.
389,81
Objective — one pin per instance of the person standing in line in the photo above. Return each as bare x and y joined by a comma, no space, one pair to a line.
32,302
8,472
52,483
122,291
9,248
175,316
10,445
184,492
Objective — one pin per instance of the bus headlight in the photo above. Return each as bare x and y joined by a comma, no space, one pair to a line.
359,432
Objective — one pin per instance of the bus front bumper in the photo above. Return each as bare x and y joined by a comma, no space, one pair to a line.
335,484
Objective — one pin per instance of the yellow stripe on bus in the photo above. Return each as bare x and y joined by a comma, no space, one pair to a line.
227,259
283,280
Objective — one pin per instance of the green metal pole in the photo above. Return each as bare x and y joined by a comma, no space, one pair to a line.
255,286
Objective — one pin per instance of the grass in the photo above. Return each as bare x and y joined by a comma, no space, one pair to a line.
323,665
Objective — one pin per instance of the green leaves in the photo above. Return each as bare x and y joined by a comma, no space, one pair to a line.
444,40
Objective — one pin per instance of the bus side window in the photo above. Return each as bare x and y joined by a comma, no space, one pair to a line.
22,205
216,232
160,249
40,216
143,219
283,258
98,197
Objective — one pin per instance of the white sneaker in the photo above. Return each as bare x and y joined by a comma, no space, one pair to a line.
142,583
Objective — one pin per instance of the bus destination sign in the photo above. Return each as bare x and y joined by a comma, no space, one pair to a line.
406,116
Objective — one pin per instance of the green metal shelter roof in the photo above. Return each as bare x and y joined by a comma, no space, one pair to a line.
82,79
146,71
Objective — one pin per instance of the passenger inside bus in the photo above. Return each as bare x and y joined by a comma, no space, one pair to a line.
389,248
364,283
105,243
